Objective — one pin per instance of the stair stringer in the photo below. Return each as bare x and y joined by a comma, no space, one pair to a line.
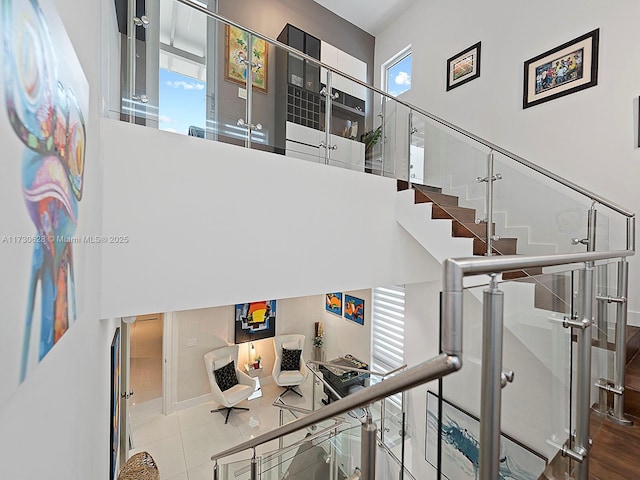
433,234
527,245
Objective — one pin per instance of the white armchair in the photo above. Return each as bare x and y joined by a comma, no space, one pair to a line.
289,378
231,390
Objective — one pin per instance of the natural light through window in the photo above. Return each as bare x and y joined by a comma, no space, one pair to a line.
398,73
182,102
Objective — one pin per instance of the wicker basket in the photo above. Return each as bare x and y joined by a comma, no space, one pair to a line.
140,466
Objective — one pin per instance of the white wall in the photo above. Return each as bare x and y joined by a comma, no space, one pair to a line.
577,136
213,327
225,225
56,424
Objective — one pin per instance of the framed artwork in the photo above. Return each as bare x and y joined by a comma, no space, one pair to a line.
566,69
354,309
460,446
333,303
463,67
115,404
236,54
255,321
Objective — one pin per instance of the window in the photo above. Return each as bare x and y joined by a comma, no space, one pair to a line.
387,349
397,73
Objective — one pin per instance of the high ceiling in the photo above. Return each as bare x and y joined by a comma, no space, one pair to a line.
370,15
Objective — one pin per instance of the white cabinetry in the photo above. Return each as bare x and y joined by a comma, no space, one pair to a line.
345,63
303,143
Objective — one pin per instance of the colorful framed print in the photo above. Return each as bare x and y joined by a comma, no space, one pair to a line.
235,68
115,405
333,303
354,309
463,67
460,433
569,68
255,321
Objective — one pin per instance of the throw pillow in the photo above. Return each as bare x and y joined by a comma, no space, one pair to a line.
290,359
226,376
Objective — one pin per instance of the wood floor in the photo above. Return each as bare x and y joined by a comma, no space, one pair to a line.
615,453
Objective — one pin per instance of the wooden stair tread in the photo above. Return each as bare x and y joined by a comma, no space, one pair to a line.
436,198
469,229
458,213
428,189
503,246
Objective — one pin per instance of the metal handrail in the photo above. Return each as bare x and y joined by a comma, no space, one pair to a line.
359,370
432,369
451,338
274,453
567,183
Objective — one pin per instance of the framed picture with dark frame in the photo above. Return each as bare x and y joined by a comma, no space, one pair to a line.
354,309
569,68
463,67
115,405
255,321
460,434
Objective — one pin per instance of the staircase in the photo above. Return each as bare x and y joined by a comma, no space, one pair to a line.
550,290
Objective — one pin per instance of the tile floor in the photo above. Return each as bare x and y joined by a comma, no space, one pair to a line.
183,442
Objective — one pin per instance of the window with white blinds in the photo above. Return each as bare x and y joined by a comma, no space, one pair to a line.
387,348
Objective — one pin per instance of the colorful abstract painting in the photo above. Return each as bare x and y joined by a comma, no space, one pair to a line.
460,446
333,303
255,320
45,103
115,404
354,309
236,55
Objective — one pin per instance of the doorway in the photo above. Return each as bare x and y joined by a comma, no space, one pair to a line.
146,359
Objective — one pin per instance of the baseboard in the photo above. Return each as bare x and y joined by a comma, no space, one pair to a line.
192,402
633,318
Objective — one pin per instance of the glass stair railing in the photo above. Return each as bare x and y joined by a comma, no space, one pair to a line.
509,206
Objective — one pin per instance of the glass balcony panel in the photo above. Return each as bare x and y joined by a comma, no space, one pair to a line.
536,406
543,215
240,470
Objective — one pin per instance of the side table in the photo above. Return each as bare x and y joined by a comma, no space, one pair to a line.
255,374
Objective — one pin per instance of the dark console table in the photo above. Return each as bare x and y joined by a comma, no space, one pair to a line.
343,380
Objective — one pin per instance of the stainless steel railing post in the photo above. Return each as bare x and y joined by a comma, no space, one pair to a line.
368,445
602,283
489,179
583,387
131,64
491,391
328,97
410,139
621,342
249,103
254,466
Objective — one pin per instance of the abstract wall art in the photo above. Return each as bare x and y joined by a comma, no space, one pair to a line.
45,104
333,303
255,320
354,309
236,55
460,446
